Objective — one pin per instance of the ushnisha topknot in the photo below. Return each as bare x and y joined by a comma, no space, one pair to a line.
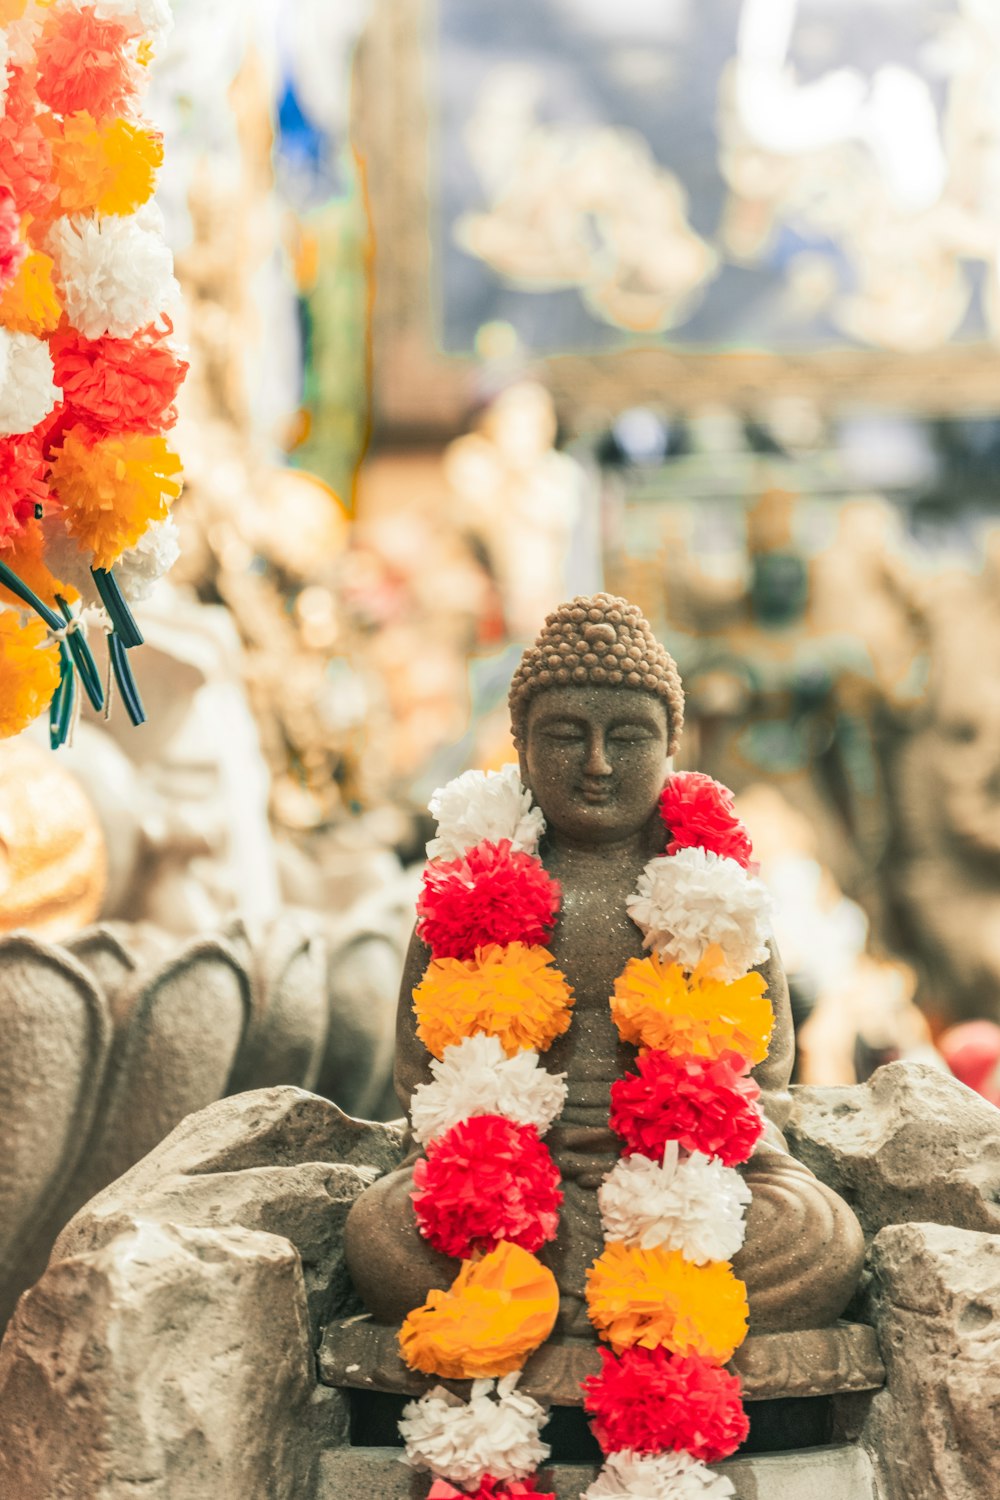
603,640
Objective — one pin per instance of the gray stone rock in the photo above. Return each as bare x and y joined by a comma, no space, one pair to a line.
910,1145
276,1160
55,1036
934,1431
109,1040
172,1364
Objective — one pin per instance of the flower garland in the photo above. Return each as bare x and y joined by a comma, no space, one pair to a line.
89,370
662,1294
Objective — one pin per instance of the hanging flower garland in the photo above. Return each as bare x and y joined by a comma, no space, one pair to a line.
89,371
662,1294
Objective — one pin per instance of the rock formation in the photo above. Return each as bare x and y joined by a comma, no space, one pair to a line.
109,1040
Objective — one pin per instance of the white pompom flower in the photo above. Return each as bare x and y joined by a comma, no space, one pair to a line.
659,1476
687,1203
462,1440
476,1077
116,274
688,903
140,568
149,18
27,390
484,805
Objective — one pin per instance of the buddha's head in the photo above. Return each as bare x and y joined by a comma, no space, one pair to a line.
597,710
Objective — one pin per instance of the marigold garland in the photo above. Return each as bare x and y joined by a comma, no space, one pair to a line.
647,1401
105,169
656,1297
658,1004
112,488
487,1179
698,810
514,993
671,1311
493,894
705,1104
77,170
29,671
498,1310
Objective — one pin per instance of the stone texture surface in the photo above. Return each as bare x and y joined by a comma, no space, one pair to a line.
279,1161
834,1473
910,1145
109,1040
172,1364
935,1429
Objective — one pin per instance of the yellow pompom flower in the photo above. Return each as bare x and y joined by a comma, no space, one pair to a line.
29,304
110,490
657,1004
499,1310
512,992
12,10
656,1297
29,672
105,169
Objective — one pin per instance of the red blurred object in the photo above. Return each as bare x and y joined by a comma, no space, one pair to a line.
972,1052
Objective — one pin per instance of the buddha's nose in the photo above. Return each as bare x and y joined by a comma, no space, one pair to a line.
597,759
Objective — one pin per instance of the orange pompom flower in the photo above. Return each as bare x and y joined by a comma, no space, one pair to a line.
656,1004
105,169
25,555
85,62
113,384
514,993
26,146
29,672
111,488
655,1298
499,1310
12,10
29,304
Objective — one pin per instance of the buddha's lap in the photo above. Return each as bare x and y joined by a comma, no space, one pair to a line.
801,1260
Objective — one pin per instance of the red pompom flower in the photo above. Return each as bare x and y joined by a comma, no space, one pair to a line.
119,384
12,247
704,1104
86,63
698,812
487,1179
649,1401
493,894
490,1489
23,485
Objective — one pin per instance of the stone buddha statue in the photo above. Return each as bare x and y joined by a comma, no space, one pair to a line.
597,711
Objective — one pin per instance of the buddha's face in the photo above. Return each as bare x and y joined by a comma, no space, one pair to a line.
595,758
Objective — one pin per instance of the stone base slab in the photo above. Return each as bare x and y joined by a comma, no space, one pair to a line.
842,1472
363,1355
